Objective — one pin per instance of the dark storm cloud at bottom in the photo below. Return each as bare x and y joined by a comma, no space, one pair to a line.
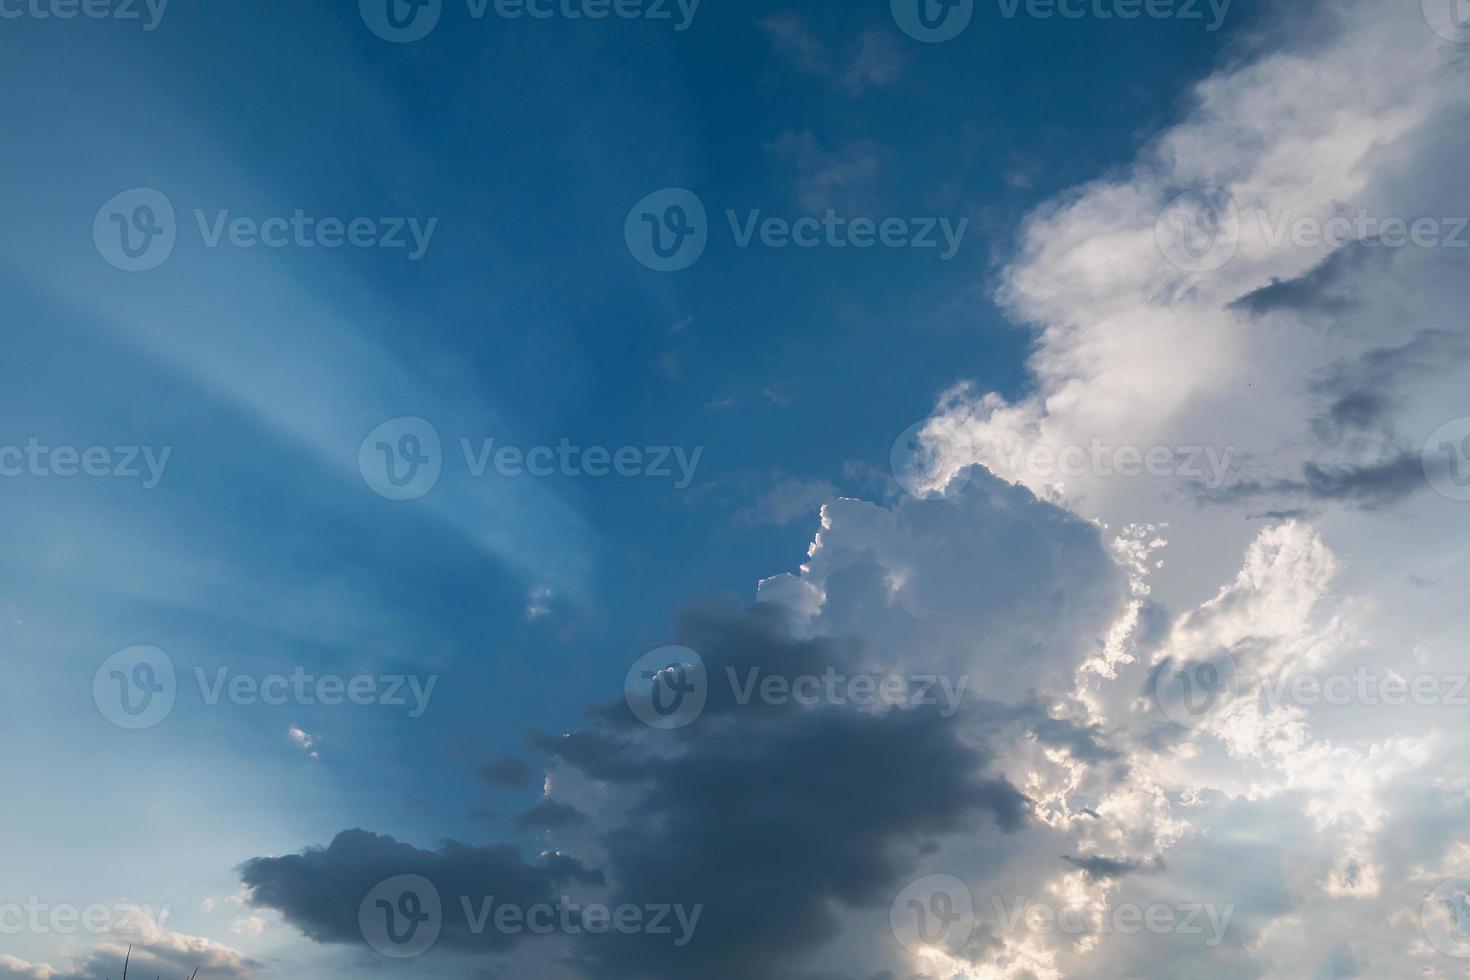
771,818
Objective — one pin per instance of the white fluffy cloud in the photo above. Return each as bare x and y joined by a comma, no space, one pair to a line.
148,949
1319,370
1295,838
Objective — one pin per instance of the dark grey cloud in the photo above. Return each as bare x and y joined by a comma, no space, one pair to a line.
1361,394
1367,486
1360,397
1101,868
320,889
1327,288
773,818
1281,514
550,814
508,772
1085,743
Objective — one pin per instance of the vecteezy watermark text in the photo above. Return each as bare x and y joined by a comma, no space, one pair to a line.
403,458
1202,229
1021,914
123,10
669,230
330,690
1184,10
939,912
859,690
137,688
917,461
120,462
137,230
405,21
37,917
1190,692
669,687
404,916
937,21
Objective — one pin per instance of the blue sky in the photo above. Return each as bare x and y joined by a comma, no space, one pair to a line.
526,319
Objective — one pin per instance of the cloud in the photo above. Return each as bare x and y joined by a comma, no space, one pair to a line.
1065,778
825,807
304,740
791,39
1369,485
508,772
550,815
787,823
1133,349
1326,289
791,499
320,889
160,952
1363,392
1098,867
874,60
989,581
825,178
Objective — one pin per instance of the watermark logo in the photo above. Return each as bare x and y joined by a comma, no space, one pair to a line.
1446,458
135,688
120,462
1021,915
1199,231
1446,917
915,461
668,230
933,21
860,690
404,21
836,231
38,918
918,461
401,917
404,916
1450,19
570,460
667,688
401,21
329,690
1188,692
1181,10
935,912
91,9
401,459
136,231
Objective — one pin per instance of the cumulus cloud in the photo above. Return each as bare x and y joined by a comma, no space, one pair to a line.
1138,347
789,823
146,950
1305,839
320,889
